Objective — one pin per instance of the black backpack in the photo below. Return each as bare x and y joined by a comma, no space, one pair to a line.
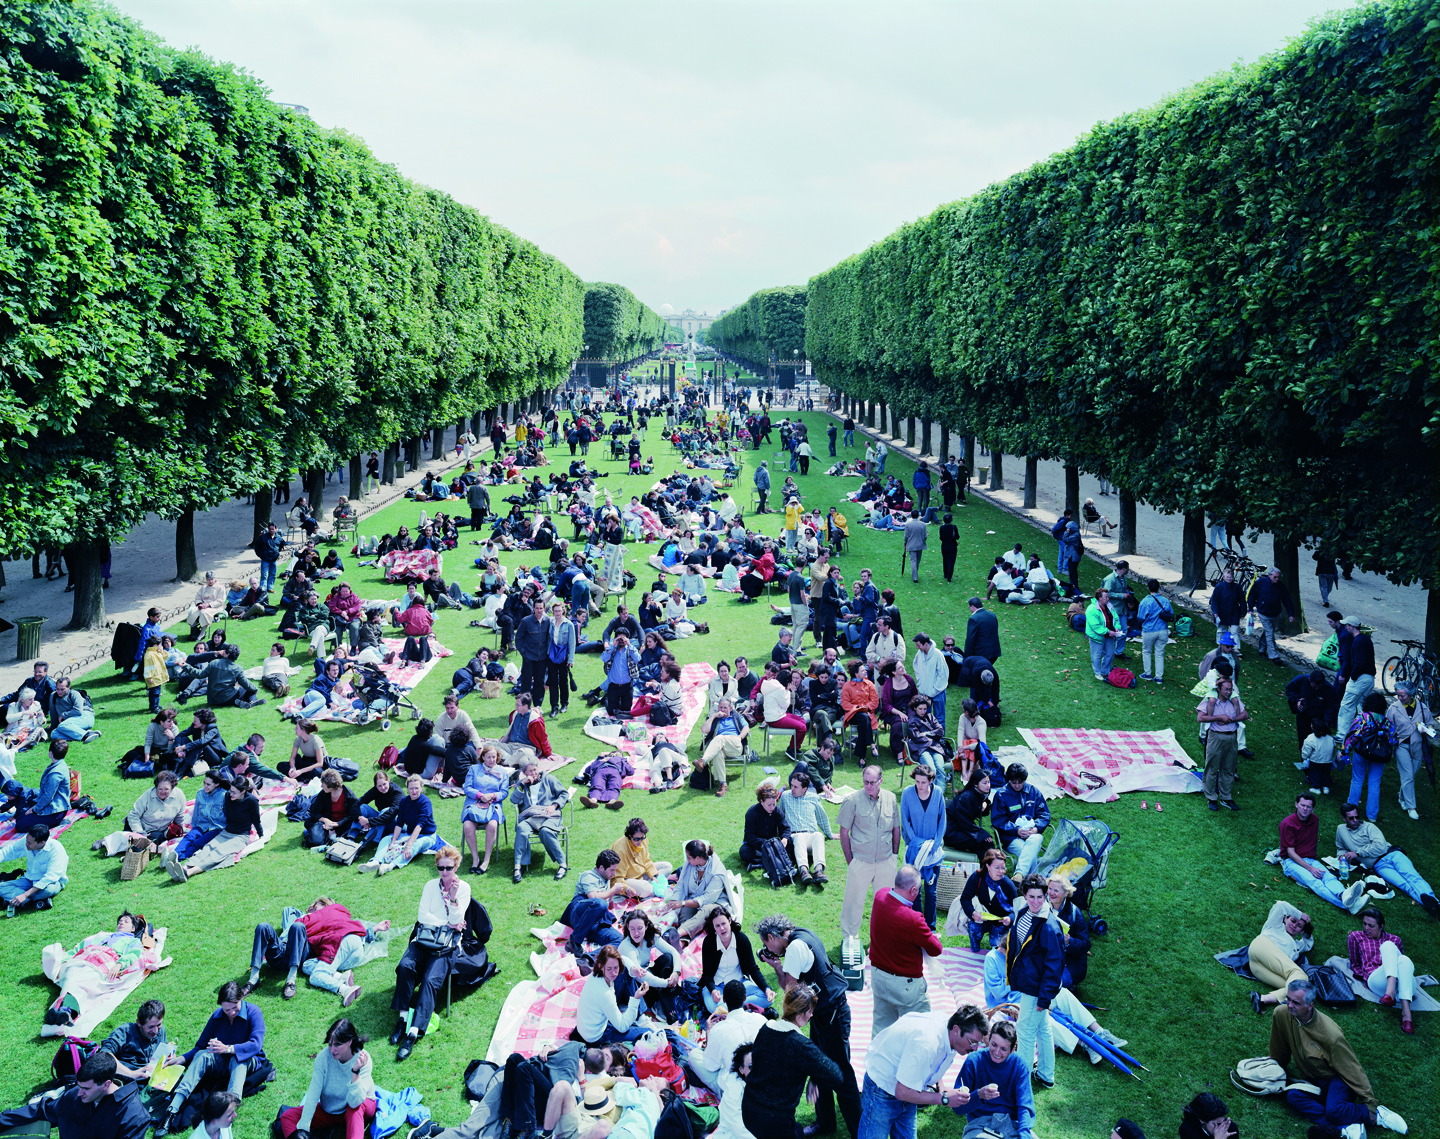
775,860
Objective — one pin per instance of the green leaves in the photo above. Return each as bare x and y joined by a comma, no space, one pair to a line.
770,321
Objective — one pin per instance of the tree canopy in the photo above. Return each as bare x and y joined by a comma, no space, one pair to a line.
770,321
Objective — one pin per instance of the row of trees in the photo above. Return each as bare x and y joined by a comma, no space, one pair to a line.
203,289
618,326
772,321
1226,302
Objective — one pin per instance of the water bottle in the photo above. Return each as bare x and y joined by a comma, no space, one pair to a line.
1344,870
1250,625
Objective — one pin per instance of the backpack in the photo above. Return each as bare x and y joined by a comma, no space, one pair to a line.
682,1119
1058,530
1184,627
1372,738
71,1054
775,860
1121,678
389,757
700,779
1262,1075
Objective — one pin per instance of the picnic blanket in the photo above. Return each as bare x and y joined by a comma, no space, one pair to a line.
95,995
694,679
7,828
1096,766
410,565
401,672
1423,1001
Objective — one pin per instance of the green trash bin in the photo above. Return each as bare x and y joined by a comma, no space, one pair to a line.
27,641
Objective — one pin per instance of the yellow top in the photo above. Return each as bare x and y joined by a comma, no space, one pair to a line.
634,863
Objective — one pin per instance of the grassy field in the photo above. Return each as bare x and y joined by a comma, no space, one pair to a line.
1183,885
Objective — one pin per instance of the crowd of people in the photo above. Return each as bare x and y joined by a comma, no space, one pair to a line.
767,1041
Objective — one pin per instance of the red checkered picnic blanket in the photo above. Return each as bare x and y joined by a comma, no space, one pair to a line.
1095,765
406,673
694,680
411,564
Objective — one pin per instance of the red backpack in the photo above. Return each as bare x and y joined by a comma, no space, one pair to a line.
1121,678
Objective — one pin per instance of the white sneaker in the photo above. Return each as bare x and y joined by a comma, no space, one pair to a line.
1387,1118
1354,1131
1414,814
1314,790
367,867
386,867
1355,897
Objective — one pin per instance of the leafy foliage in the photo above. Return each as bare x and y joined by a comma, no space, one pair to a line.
618,326
1226,301
772,320
202,288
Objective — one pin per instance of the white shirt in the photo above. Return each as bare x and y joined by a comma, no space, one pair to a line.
914,1051
739,1027
798,959
775,699
732,1096
434,910
1015,560
729,967
597,1008
201,1133
1002,580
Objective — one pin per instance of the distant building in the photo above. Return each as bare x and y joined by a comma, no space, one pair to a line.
689,322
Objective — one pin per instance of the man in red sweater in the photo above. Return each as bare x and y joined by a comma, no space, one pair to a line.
325,942
1298,861
899,940
526,738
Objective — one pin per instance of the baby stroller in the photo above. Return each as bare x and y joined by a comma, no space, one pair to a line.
382,695
1080,848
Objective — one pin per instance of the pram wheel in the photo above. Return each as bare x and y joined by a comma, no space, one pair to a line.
414,713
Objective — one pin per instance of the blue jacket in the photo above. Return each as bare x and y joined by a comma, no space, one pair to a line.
762,478
1034,966
268,546
867,600
1008,805
1012,1078
920,480
1227,603
53,796
1270,597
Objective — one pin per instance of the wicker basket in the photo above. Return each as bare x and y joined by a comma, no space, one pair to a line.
953,876
136,859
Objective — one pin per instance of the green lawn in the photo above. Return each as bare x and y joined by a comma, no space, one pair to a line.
1183,884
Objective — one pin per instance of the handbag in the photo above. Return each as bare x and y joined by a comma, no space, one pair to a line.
437,938
136,859
490,689
343,851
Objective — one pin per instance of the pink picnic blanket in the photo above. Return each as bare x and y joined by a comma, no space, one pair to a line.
7,828
415,564
405,673
694,680
1096,766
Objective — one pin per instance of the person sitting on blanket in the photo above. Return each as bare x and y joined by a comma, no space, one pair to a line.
231,1045
653,958
331,813
424,753
460,756
245,760
1311,1048
525,738
308,757
599,1018
96,1107
588,911
377,809
241,811
149,819
1362,844
1378,963
638,871
330,693
988,900
415,819
480,667
325,943
138,1044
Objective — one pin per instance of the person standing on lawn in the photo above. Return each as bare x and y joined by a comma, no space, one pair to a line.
915,538
1224,713
869,822
900,940
1268,596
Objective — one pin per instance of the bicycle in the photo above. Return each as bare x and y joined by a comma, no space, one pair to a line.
1222,558
1415,667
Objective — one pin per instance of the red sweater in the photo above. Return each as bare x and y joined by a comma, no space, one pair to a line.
327,927
899,937
1304,837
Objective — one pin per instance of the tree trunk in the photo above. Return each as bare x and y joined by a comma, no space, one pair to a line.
1192,551
944,443
84,560
315,490
910,431
870,414
997,467
1287,558
897,429
1032,478
387,464
924,436
185,562
437,443
1127,521
1072,491
967,450
476,422
264,505
357,476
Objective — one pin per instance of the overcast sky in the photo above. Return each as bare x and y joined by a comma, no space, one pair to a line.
698,151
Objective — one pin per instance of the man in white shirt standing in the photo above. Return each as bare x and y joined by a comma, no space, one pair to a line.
905,1059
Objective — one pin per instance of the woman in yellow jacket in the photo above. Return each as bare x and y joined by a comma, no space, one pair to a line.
793,513
637,872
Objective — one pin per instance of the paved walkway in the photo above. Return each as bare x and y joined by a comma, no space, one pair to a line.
142,569
1396,612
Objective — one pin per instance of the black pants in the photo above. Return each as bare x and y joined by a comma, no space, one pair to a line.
477,518
619,698
827,631
559,685
830,1032
762,494
418,979
947,560
269,949
524,1093
532,679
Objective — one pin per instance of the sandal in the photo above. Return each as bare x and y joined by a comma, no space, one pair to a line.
536,910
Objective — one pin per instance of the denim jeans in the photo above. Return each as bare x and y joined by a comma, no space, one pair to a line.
194,839
1333,1105
849,439
1026,852
1365,786
326,974
1032,1029
74,727
1102,655
1397,869
267,576
424,843
1327,886
1267,637
882,1116
1355,692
